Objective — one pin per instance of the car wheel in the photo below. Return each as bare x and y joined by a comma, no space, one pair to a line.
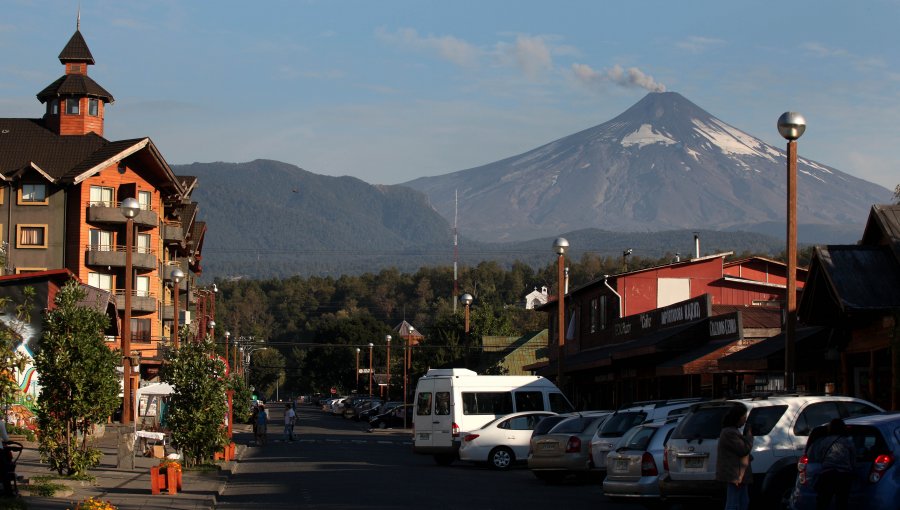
501,458
444,460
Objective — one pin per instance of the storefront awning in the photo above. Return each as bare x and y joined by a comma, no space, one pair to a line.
703,360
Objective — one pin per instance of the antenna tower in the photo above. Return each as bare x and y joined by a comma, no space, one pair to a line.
455,249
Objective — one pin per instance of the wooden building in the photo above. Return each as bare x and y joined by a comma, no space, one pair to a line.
659,332
62,185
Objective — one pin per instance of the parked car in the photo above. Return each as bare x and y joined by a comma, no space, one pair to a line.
607,438
398,417
633,469
360,405
548,423
877,484
780,425
373,411
502,442
566,448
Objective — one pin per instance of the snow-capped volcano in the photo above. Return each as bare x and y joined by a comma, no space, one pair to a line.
663,164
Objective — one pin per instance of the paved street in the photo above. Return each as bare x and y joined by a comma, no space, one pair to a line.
336,464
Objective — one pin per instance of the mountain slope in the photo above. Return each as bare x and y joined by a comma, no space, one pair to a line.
663,164
271,218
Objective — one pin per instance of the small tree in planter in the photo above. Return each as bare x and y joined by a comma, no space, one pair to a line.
197,404
79,383
240,399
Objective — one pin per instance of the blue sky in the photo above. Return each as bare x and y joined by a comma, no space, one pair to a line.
391,90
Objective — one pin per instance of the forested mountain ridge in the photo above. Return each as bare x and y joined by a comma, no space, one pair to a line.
271,219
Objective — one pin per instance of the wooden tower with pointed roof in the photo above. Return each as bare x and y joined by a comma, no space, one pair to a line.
75,102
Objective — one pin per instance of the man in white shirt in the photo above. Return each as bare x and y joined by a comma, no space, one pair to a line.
289,417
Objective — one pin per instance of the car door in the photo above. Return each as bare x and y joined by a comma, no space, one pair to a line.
423,414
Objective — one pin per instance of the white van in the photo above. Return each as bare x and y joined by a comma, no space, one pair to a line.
451,402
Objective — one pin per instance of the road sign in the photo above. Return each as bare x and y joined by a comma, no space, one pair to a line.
364,371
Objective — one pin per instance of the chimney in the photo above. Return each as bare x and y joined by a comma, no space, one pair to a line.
696,245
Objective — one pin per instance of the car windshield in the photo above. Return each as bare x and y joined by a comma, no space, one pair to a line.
546,424
619,423
701,423
572,425
638,438
868,442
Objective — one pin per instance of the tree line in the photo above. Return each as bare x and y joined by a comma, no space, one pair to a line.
304,331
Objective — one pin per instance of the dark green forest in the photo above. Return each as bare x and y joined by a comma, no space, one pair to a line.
304,331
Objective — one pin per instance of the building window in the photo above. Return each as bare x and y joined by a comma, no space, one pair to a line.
72,106
143,243
54,107
144,200
140,330
31,236
93,107
595,315
101,240
142,286
102,196
76,68
101,281
602,312
33,194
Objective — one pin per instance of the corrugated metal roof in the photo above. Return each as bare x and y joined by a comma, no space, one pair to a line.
862,277
759,317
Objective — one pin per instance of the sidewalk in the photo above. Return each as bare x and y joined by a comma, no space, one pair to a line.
129,489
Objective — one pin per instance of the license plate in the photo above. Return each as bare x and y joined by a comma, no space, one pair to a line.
423,436
548,446
621,465
693,462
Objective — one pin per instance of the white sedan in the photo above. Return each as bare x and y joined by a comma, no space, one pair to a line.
503,441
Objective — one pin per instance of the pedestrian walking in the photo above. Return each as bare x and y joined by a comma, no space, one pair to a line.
733,458
289,417
262,423
837,454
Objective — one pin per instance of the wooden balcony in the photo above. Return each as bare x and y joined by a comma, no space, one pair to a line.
141,302
109,213
172,232
114,256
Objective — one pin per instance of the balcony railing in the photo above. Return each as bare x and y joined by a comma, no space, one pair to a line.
114,256
109,212
141,301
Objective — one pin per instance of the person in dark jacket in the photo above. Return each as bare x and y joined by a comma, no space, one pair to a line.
837,453
733,458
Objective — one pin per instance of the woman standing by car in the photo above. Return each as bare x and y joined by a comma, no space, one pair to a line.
733,458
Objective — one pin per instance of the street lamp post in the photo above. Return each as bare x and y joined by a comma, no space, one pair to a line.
357,369
227,336
791,126
130,208
177,275
559,246
466,300
387,341
371,345
407,361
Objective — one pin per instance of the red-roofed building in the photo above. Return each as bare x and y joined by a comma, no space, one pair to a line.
659,332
